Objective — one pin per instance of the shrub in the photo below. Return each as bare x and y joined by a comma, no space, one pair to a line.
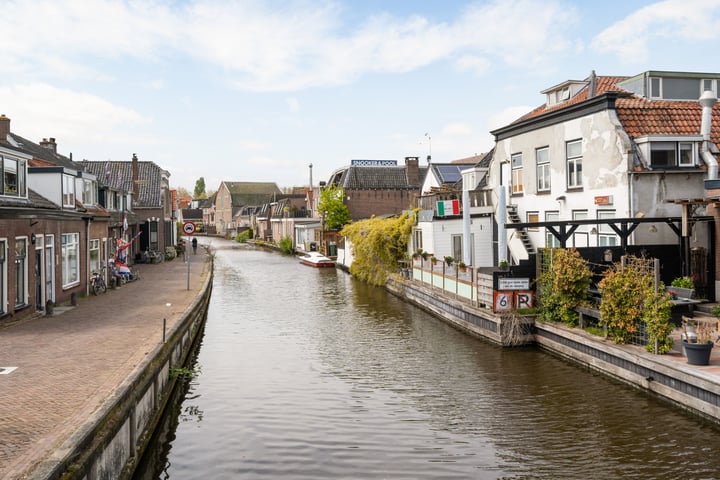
683,282
563,285
286,246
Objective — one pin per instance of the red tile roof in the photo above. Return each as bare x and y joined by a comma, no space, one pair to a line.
641,117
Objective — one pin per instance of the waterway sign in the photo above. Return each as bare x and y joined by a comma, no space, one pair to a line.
189,228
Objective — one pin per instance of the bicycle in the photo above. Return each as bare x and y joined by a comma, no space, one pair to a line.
97,282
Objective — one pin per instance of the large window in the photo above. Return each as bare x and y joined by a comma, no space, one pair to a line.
20,272
542,159
89,192
13,177
68,191
574,163
551,240
153,235
580,237
517,173
70,259
672,154
417,239
3,277
606,235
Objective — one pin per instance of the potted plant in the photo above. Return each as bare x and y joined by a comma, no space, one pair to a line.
424,255
461,266
433,260
698,353
504,265
449,260
682,287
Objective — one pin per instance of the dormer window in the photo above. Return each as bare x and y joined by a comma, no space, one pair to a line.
564,91
13,177
672,154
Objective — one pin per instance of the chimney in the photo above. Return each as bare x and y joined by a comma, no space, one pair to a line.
412,170
592,89
4,128
49,144
135,178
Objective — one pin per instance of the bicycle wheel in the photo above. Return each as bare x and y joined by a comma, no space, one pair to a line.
103,286
96,287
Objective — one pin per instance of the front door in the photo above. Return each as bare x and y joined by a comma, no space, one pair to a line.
39,274
50,268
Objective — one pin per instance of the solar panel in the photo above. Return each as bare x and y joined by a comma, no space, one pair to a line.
449,173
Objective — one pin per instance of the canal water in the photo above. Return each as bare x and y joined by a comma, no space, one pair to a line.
309,374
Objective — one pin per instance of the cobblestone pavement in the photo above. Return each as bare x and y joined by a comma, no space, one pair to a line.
69,363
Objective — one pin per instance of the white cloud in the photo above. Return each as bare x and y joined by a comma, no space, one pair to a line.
293,104
262,47
39,110
672,20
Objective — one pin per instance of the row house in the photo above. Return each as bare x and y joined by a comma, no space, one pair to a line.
231,197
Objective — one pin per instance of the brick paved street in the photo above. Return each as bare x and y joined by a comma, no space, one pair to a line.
69,363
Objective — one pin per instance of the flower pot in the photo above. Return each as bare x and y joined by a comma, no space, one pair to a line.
698,353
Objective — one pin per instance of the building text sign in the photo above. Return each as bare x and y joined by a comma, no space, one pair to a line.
513,284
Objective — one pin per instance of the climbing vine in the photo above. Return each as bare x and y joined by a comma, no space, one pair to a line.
378,245
564,284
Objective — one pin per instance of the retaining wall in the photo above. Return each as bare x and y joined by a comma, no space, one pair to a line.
692,389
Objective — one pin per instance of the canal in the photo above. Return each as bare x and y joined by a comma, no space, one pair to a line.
309,374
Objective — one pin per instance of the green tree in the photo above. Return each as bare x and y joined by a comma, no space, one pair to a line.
200,189
332,207
378,245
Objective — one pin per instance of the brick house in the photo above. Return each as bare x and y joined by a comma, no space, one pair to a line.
231,197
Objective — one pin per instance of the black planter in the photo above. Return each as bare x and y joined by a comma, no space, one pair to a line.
698,353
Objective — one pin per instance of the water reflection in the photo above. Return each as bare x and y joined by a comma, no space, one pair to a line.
311,374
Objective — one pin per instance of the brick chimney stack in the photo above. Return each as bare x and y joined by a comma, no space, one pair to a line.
412,170
135,178
4,128
49,143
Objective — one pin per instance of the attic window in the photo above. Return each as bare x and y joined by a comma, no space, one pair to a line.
563,94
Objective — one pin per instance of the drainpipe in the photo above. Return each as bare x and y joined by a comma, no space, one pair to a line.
707,100
501,221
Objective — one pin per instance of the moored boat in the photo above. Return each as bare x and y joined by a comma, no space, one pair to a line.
316,259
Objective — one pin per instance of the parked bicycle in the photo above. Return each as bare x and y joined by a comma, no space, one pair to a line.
97,282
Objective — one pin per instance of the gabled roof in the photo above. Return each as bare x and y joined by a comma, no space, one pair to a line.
251,193
33,200
119,175
363,177
46,155
192,214
639,116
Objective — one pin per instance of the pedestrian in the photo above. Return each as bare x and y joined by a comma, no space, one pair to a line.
194,245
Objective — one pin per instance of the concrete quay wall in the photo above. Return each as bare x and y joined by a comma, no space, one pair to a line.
111,443
695,389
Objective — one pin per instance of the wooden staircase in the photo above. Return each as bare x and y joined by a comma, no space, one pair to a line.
520,233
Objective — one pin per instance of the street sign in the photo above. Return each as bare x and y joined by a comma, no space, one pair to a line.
189,228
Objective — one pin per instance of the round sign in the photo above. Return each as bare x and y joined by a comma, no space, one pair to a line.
189,228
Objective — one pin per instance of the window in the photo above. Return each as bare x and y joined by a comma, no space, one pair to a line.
20,272
457,247
542,159
153,235
68,191
580,237
89,192
417,239
13,177
517,170
672,154
3,277
574,163
606,235
655,87
550,240
532,217
94,252
70,259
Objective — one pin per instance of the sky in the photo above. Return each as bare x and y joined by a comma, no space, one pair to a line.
257,91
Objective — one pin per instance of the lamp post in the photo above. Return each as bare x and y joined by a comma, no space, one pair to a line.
429,157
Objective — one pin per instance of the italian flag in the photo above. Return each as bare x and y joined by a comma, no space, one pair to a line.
448,207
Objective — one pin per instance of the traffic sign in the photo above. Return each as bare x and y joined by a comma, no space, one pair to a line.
189,228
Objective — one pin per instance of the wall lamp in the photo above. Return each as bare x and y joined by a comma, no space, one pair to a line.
561,198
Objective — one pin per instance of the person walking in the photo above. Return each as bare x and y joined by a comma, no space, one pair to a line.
194,245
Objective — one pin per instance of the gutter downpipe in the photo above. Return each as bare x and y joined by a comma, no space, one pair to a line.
501,221
707,100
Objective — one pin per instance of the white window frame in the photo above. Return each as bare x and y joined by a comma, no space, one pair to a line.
542,161
70,263
20,176
581,237
574,174
21,272
658,82
606,235
532,217
550,240
94,254
516,165
68,193
417,239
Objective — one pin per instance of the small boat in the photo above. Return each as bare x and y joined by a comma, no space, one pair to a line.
316,259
